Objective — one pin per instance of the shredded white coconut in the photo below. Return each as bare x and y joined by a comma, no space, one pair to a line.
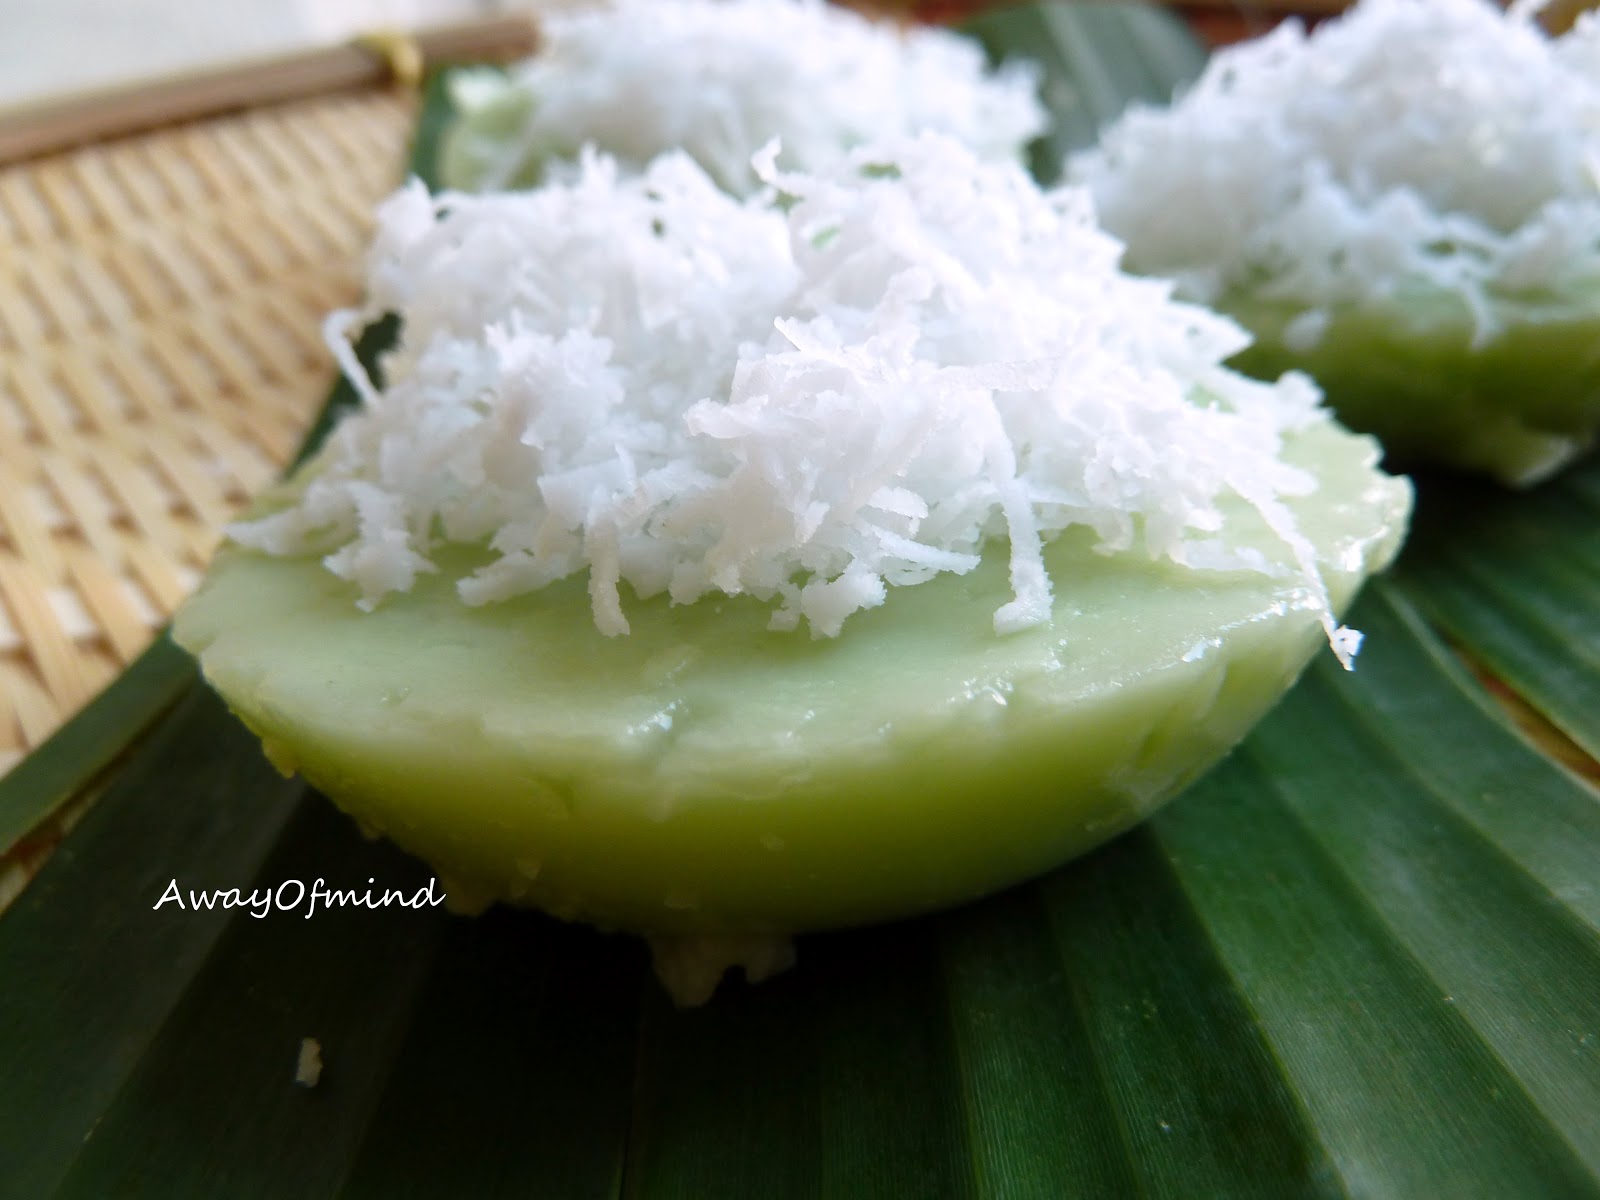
308,1063
692,967
1433,144
721,78
849,381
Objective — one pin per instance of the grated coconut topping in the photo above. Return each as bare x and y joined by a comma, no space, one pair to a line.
1412,144
721,79
849,381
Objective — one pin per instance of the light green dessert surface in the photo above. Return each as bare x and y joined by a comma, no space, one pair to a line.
705,774
1516,401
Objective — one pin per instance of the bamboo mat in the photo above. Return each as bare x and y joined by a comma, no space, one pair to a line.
160,300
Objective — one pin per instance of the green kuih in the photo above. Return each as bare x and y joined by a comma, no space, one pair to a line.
1413,371
720,569
1401,203
704,774
719,79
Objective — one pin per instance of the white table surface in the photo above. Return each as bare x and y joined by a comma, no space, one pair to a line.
56,47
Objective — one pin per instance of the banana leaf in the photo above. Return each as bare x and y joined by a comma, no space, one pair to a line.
1361,958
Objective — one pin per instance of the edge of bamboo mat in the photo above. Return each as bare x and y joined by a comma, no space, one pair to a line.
38,129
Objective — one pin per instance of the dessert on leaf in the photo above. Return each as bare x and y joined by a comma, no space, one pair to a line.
719,81
723,568
1404,203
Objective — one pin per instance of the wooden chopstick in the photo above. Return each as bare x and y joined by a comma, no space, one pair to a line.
29,131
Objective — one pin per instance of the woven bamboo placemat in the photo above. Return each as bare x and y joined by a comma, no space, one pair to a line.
160,300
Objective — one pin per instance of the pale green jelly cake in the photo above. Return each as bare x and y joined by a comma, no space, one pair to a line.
1402,202
1414,371
705,774
721,78
721,568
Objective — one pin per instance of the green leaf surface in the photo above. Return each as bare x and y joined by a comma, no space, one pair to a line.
79,753
1360,959
1524,592
1094,61
89,972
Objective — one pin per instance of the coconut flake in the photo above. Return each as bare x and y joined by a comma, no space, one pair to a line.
864,378
308,1063
720,79
1439,145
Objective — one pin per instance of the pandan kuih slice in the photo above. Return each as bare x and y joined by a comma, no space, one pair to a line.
1415,372
705,776
720,80
1401,203
604,604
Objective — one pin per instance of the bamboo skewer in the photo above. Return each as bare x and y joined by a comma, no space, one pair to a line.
33,130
